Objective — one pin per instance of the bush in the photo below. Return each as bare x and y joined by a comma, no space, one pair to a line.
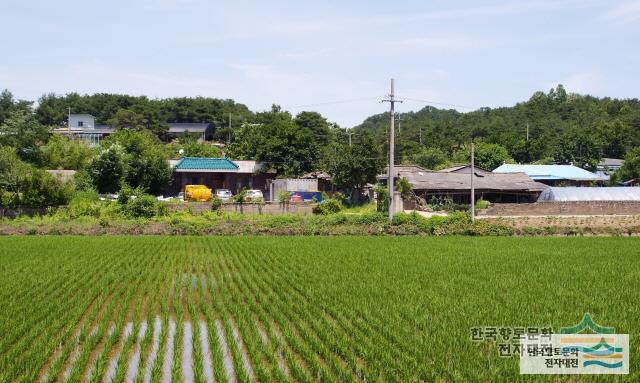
283,197
482,204
41,189
328,206
144,206
85,203
382,198
446,204
135,203
216,203
404,187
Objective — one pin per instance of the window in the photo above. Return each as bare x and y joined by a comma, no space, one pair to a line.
80,124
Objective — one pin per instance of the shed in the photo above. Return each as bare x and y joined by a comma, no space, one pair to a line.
564,194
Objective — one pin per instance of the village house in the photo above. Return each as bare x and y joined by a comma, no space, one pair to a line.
493,187
221,173
83,126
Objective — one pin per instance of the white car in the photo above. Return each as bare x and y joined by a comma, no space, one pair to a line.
253,195
224,194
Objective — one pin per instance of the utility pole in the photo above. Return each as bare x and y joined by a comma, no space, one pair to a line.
391,100
527,131
421,136
69,123
229,132
473,192
349,133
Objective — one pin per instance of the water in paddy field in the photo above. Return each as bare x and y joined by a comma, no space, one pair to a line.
153,355
206,352
135,362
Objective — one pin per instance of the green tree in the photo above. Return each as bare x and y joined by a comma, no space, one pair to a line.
107,169
352,167
11,171
145,159
578,148
487,156
147,119
23,132
631,167
430,158
65,153
315,124
9,105
278,142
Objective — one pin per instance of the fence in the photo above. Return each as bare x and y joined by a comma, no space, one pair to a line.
245,208
563,208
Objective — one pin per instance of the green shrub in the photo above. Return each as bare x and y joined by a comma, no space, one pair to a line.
85,204
326,207
283,197
382,198
216,203
445,203
144,206
404,187
482,204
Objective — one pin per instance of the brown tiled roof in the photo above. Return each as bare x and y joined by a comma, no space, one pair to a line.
458,181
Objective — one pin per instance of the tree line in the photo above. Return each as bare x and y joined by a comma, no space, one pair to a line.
552,127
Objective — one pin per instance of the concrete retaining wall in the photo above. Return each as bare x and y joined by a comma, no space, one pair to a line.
202,207
562,208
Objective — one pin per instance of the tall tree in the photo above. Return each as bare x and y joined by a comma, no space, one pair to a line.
352,167
278,142
23,132
315,124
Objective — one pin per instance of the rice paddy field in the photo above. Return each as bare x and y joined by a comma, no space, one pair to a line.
299,309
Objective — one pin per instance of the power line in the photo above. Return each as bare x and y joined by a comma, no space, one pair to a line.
332,102
439,103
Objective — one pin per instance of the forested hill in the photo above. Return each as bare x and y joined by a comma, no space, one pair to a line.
563,128
52,109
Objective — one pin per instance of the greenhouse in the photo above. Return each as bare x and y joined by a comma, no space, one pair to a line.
561,194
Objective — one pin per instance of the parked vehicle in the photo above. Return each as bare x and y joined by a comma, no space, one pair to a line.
224,194
197,193
253,195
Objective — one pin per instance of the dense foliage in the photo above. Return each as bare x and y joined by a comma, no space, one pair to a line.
552,127
562,128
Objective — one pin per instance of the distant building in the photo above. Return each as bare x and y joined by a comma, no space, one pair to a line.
554,175
221,173
493,187
83,126
610,165
464,169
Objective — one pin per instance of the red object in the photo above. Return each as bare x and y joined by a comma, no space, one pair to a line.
296,199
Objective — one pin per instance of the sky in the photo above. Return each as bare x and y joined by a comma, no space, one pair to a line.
334,57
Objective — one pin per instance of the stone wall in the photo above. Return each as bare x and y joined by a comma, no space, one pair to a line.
563,208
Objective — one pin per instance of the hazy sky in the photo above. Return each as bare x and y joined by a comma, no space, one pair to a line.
293,53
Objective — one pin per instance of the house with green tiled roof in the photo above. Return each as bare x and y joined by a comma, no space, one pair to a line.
221,173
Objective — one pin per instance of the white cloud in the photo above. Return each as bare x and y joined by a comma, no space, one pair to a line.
627,12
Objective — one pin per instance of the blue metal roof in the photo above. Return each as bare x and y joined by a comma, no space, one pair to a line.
550,172
206,164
